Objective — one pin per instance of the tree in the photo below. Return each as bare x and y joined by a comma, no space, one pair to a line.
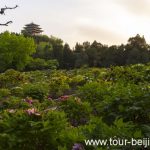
81,58
79,48
2,12
92,56
15,51
137,50
43,51
97,54
68,57
57,49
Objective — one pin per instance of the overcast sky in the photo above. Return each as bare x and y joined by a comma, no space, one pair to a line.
107,21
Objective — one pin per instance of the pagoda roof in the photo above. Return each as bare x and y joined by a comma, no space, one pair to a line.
32,24
33,28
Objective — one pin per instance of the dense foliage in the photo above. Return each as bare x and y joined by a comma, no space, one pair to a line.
58,110
40,52
92,54
15,51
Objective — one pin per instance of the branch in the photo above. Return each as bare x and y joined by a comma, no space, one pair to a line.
6,24
2,11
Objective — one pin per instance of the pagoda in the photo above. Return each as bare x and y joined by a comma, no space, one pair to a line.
32,29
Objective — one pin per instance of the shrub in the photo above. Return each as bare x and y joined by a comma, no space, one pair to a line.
97,129
11,78
77,80
78,112
41,64
93,92
36,64
17,91
32,131
36,91
4,93
58,85
14,103
52,64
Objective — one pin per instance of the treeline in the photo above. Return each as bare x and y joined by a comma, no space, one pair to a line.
43,52
93,54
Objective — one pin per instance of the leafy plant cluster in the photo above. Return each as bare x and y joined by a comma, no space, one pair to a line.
59,109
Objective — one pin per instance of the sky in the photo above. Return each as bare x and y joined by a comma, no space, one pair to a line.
110,22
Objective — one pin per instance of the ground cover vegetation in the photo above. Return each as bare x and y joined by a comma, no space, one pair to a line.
56,109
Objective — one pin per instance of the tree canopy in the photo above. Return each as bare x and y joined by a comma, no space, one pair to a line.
15,50
18,51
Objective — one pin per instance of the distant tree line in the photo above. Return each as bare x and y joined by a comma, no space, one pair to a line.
42,52
92,54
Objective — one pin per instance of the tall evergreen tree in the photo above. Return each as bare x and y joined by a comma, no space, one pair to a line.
68,57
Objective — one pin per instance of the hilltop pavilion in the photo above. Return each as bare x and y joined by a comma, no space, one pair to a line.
32,29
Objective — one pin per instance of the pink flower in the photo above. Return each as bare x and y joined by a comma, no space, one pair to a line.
64,97
49,98
31,111
30,101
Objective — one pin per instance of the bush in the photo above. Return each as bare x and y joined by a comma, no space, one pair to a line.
14,103
11,78
52,64
17,91
4,93
36,91
77,80
97,129
36,64
93,92
58,85
41,64
30,132
78,112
